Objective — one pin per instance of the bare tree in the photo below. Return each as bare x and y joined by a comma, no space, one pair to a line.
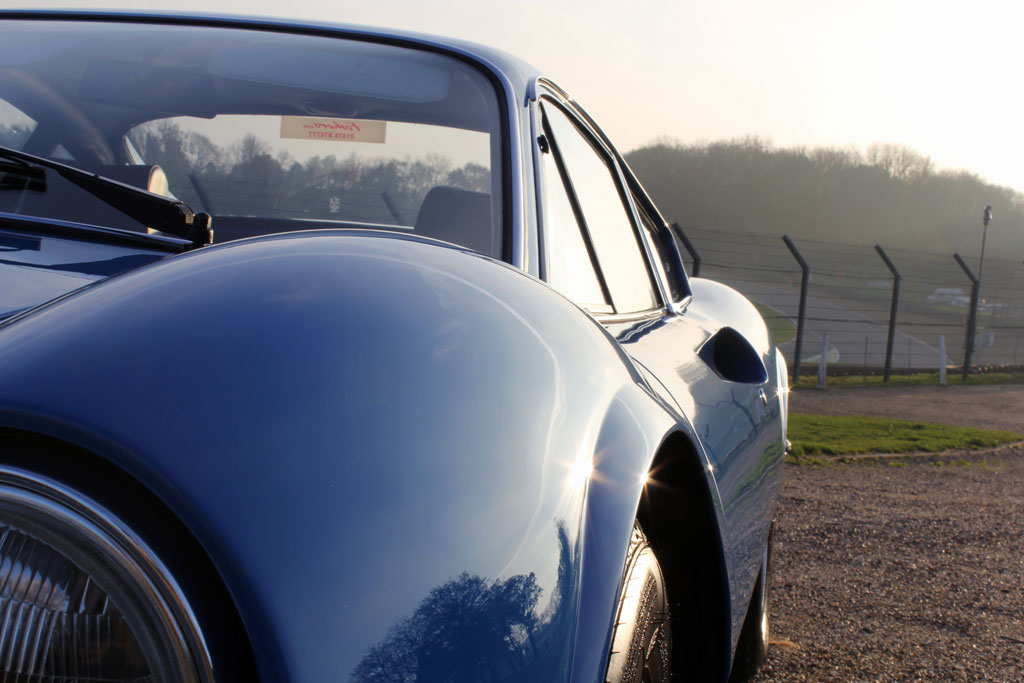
898,161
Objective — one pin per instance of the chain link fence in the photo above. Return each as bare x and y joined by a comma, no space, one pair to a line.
851,295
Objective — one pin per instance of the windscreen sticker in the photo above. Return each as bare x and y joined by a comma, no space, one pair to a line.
332,130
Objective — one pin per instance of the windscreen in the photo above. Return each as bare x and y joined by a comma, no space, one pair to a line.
265,131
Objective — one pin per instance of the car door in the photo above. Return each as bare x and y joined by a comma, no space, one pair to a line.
605,247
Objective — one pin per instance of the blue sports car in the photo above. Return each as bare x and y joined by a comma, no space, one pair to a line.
337,354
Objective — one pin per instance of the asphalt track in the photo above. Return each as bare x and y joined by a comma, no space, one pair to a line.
853,338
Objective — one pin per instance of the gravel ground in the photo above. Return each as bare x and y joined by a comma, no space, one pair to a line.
903,569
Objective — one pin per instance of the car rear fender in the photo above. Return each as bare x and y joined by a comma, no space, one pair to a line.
364,432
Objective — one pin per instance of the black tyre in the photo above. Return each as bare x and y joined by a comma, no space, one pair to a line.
642,640
752,648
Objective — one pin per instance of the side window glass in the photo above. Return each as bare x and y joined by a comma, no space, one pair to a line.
666,263
607,219
570,268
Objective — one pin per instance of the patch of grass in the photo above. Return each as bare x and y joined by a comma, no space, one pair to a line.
848,435
915,379
780,326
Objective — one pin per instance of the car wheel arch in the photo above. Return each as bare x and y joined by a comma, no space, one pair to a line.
677,514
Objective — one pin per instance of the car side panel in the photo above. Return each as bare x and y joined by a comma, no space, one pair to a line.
382,444
740,434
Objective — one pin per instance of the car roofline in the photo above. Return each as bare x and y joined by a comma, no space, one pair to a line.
519,72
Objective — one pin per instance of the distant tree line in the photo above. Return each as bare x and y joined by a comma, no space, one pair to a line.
247,178
889,194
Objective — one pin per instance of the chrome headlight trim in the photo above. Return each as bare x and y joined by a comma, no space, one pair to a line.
59,515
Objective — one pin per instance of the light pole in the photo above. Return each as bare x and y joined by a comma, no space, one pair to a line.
972,323
986,217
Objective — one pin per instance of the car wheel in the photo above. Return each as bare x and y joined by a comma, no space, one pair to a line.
642,640
752,648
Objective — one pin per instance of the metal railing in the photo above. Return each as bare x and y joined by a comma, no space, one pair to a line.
888,310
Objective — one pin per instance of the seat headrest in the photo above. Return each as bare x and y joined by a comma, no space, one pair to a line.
462,217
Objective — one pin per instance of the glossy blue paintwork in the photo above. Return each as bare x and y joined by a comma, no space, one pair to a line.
369,433
333,496
740,435
36,268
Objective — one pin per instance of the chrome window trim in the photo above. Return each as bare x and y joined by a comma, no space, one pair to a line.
540,191
65,504
679,307
613,318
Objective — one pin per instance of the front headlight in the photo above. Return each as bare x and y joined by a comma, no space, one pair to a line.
82,598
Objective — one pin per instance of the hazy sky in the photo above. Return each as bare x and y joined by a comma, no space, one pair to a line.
941,77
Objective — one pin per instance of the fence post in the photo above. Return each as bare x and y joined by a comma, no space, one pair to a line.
942,359
823,363
892,310
802,315
864,374
695,270
972,319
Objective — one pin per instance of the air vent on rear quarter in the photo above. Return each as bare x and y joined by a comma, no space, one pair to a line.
732,357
